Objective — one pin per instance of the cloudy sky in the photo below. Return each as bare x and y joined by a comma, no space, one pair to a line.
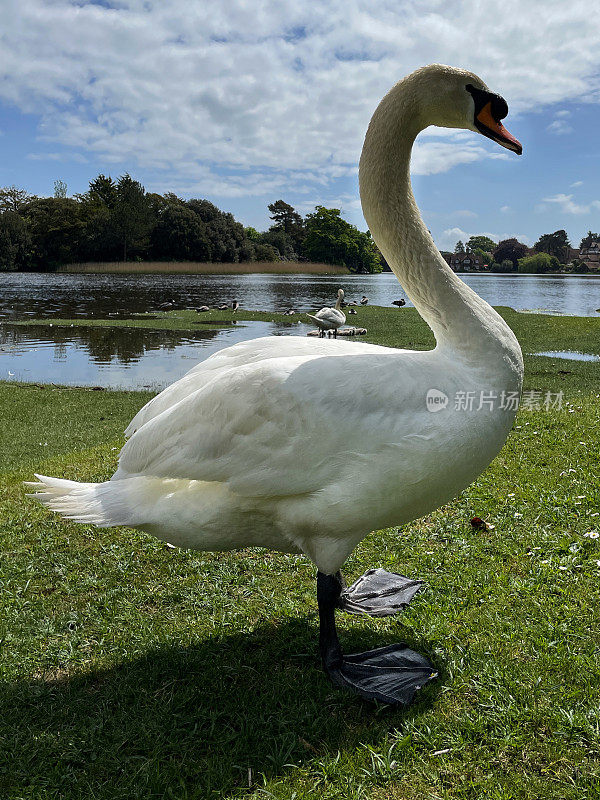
247,101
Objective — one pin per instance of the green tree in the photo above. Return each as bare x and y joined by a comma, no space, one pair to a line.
60,189
511,250
131,216
480,243
539,262
14,199
286,218
587,240
556,244
281,242
459,248
179,235
252,234
264,252
57,227
332,240
102,239
227,238
483,256
102,191
15,241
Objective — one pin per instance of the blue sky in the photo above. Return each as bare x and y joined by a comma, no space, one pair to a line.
244,103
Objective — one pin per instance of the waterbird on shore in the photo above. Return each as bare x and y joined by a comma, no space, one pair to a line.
306,446
330,319
399,303
222,307
203,308
234,305
364,300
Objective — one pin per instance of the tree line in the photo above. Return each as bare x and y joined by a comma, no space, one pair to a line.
117,220
551,253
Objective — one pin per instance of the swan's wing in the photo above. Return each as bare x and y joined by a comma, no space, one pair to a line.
329,315
237,356
280,427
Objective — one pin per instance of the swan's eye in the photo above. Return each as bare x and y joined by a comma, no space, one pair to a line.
489,110
499,107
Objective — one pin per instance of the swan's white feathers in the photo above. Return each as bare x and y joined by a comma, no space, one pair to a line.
328,318
238,356
279,427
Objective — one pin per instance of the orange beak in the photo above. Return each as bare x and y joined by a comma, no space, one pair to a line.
497,130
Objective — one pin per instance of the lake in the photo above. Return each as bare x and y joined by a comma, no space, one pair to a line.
135,358
68,296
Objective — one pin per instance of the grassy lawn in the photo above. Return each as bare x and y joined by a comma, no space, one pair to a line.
132,670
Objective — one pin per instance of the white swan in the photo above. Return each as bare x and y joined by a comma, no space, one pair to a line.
305,446
328,319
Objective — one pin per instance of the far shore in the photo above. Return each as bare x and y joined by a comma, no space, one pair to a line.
207,268
256,268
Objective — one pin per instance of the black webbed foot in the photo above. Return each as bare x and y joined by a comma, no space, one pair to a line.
379,593
389,674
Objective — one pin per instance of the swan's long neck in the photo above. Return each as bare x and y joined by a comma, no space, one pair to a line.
462,322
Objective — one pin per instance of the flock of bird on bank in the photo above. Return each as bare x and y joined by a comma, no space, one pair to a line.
327,319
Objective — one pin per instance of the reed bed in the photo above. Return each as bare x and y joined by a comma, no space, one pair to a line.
206,268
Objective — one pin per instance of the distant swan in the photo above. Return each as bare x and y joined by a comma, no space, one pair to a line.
305,446
330,319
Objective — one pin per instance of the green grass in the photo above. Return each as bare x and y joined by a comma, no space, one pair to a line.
131,670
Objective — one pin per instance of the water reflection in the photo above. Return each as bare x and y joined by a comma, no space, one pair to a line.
74,296
132,358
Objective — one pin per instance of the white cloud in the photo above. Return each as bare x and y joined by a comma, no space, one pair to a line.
251,98
506,209
576,184
559,127
450,237
568,205
463,212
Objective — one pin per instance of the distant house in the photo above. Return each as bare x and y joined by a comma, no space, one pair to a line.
590,255
463,262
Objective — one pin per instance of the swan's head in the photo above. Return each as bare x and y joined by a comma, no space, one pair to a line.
341,294
456,98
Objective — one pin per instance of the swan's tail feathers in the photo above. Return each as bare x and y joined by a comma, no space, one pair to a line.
318,320
103,504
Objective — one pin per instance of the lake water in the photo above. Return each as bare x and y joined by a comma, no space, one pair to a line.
136,358
568,355
69,296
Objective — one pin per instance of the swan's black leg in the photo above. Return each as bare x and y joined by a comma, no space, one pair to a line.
329,589
389,674
379,593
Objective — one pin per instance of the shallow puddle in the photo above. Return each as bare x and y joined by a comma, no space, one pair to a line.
570,355
129,358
